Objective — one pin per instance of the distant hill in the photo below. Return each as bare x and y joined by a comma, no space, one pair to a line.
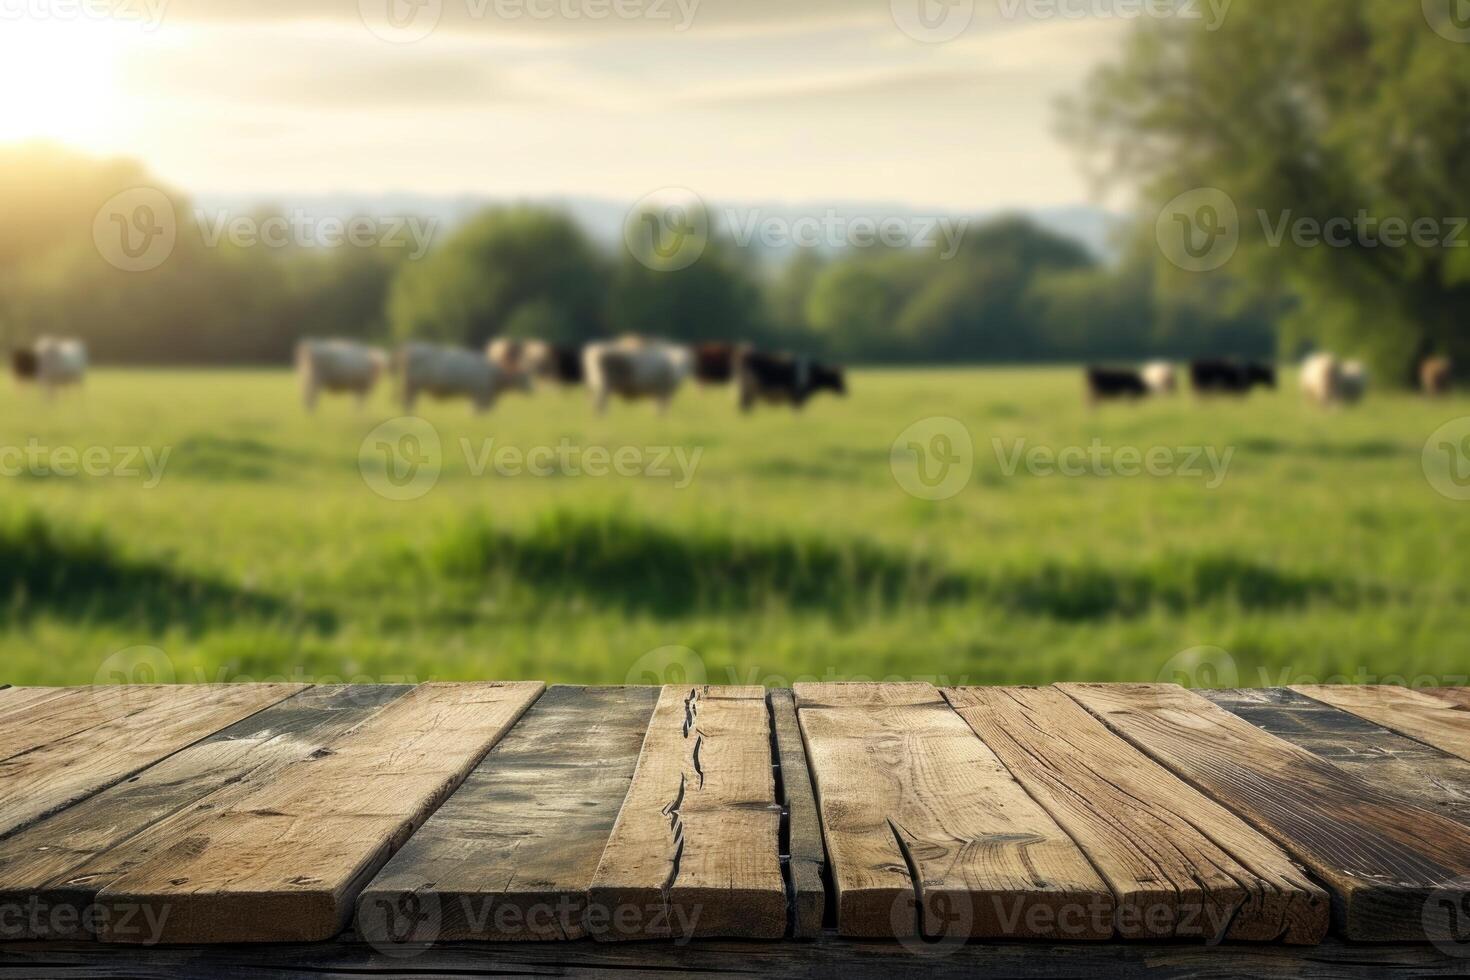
603,218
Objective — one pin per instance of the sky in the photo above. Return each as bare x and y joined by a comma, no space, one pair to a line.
944,103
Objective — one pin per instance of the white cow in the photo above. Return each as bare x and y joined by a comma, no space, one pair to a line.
1329,381
452,372
338,366
52,363
633,368
1160,377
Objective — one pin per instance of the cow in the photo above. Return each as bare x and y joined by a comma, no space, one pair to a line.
51,363
782,379
1227,377
1160,377
1436,374
338,366
714,364
557,363
634,368
451,372
1354,383
1329,381
1110,384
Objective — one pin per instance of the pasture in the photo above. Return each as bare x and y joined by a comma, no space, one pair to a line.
789,552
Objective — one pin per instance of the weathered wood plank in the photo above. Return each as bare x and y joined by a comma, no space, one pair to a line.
62,862
286,861
511,854
17,698
928,833
1457,696
806,858
1419,716
824,960
73,747
1387,861
696,848
1385,760
1180,865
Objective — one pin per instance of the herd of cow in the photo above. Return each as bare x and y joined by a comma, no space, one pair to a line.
1325,379
630,368
633,368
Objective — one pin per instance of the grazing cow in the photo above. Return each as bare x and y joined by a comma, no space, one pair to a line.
557,363
450,372
1226,377
634,368
1108,384
1353,384
51,363
1329,381
1435,376
782,379
1160,377
714,364
338,366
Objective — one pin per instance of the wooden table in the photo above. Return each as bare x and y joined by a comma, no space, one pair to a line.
837,829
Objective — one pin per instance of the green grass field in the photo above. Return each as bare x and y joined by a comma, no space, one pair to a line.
793,553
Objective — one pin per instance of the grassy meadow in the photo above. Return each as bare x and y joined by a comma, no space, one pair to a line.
792,553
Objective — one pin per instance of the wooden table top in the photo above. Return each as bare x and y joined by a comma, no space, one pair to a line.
861,829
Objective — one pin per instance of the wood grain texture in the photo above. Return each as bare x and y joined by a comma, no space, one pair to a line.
512,853
805,856
1389,762
64,861
928,833
1457,696
1422,717
696,848
60,750
1180,865
286,861
1393,867
16,698
701,960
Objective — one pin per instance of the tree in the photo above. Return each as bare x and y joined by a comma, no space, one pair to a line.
717,297
481,282
1315,109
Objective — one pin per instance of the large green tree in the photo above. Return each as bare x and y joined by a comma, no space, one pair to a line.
512,270
1308,109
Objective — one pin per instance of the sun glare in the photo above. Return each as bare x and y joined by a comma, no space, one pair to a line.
57,80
